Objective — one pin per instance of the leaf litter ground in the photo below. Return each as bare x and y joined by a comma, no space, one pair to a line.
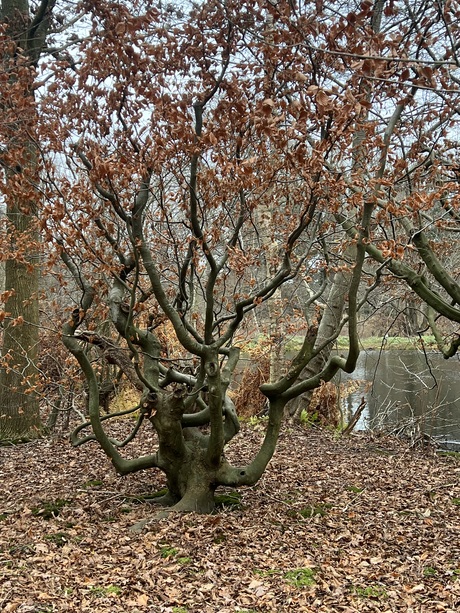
358,523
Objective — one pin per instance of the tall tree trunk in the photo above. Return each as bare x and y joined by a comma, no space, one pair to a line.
332,315
336,301
19,406
19,403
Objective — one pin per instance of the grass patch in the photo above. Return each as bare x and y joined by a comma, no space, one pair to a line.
456,501
456,574
23,550
429,571
392,342
255,421
450,454
375,342
298,577
220,537
309,419
371,591
266,573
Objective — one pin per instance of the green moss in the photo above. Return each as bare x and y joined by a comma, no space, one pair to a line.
168,552
229,501
300,577
354,489
14,442
48,509
59,538
318,509
149,497
429,571
92,483
110,590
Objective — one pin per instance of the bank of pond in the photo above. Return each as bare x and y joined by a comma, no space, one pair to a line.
407,392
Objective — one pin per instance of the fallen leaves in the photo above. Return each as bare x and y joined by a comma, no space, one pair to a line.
352,524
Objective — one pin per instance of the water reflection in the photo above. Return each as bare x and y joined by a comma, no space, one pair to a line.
408,386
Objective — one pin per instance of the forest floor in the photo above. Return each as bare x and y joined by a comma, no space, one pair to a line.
359,523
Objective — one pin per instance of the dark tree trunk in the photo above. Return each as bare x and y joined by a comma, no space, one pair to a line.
19,403
19,406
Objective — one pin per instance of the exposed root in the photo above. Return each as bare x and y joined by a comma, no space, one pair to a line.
167,500
203,505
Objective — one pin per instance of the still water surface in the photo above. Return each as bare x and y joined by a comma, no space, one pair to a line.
409,387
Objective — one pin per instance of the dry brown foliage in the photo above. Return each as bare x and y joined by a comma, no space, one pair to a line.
375,522
247,397
324,405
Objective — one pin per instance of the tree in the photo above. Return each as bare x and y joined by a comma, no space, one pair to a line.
30,31
23,40
181,168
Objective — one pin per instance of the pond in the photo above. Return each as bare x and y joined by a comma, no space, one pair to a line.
408,391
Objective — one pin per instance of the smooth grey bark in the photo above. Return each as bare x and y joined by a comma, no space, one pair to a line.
329,328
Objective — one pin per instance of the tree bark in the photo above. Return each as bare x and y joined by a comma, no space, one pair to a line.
330,323
19,402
